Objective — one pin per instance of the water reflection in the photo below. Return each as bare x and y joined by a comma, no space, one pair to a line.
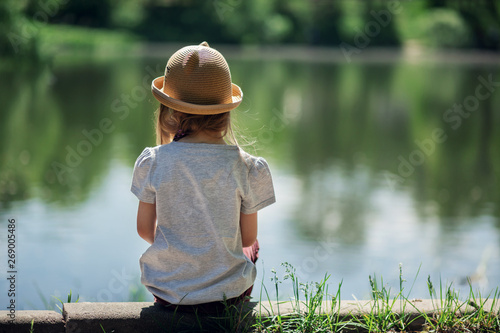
358,140
386,126
61,125
62,130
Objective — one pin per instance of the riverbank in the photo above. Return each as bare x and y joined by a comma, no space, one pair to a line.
417,315
78,42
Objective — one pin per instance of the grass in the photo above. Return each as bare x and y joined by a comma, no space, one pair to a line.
453,315
68,300
385,313
306,315
314,309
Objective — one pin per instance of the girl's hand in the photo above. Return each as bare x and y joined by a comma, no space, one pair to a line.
146,221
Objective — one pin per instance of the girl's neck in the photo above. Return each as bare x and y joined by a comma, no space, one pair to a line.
203,137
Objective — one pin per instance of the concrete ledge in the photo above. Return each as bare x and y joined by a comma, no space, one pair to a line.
43,322
358,308
127,317
147,317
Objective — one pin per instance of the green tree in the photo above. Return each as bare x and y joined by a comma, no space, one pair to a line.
481,17
377,11
16,32
324,29
90,13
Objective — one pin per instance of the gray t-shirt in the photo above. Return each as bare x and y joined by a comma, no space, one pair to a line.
199,190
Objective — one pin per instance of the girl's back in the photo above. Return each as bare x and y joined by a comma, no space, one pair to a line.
200,191
199,195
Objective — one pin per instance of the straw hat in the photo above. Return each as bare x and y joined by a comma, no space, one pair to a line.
197,80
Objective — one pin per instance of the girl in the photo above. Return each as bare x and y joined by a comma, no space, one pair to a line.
199,196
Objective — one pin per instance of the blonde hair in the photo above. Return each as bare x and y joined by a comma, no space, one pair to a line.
170,122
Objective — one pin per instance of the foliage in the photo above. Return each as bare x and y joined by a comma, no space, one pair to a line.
68,300
441,23
15,31
385,312
78,40
314,309
89,13
445,28
482,19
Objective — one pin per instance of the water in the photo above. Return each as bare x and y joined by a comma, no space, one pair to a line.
371,171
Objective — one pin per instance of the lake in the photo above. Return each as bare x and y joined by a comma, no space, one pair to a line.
377,164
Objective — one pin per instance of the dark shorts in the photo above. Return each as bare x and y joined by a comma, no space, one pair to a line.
252,253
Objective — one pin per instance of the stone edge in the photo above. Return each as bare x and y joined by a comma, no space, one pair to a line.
128,316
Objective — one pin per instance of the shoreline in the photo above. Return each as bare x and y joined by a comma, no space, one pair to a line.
145,316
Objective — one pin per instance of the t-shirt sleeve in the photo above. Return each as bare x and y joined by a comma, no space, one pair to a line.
260,190
141,180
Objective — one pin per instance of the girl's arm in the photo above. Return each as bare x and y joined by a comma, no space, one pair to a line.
248,226
146,221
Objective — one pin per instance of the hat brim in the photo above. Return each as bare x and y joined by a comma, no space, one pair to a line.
178,105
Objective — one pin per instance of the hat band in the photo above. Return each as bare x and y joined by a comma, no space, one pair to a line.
182,106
